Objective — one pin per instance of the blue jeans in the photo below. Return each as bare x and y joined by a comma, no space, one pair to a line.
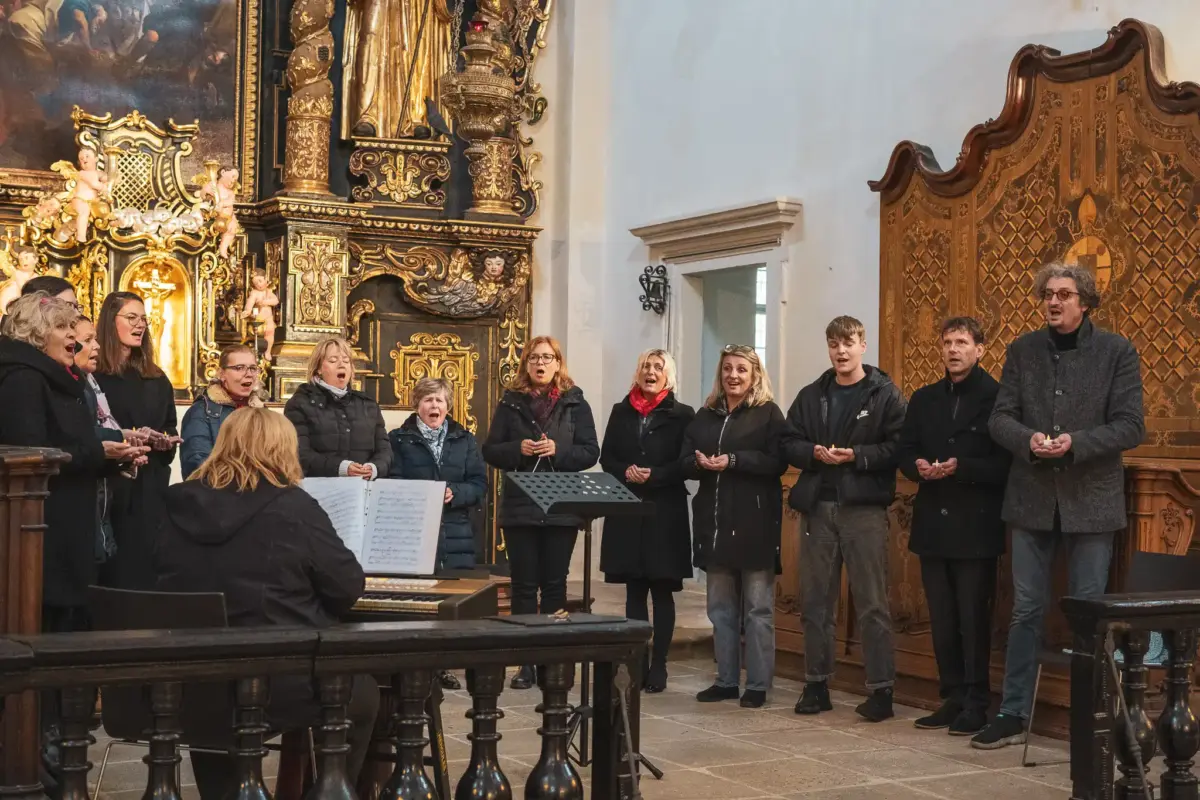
1088,556
728,610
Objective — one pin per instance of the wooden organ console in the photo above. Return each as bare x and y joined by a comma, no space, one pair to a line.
1094,159
390,598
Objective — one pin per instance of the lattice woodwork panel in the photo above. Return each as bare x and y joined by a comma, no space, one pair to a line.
135,189
926,303
1013,240
1161,193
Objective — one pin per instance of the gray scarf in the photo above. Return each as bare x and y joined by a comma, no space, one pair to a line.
336,392
435,438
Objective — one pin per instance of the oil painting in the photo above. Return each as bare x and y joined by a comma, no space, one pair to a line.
166,58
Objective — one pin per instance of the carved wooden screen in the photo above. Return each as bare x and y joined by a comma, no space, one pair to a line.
1095,159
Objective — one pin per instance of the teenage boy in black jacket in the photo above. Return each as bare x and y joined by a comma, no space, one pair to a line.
843,431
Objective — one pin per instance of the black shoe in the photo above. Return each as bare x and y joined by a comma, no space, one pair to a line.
970,722
523,679
941,718
1004,730
754,698
815,699
448,681
656,679
877,707
715,694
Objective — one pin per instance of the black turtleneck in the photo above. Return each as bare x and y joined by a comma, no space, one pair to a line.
1065,341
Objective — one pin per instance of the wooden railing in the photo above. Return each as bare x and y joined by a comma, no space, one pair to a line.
1110,725
76,664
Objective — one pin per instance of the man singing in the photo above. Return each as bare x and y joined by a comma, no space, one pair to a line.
1070,402
843,432
956,529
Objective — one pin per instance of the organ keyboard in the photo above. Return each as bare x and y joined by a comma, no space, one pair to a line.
393,598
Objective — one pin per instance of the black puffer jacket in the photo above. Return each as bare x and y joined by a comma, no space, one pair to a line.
872,430
736,513
333,430
658,546
465,474
43,406
573,430
272,552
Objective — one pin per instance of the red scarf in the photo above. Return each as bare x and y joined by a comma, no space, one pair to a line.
542,404
643,405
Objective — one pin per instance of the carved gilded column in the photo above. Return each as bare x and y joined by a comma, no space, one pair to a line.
310,107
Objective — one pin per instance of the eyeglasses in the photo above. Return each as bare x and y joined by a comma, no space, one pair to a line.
737,348
243,369
134,319
542,358
1063,295
77,306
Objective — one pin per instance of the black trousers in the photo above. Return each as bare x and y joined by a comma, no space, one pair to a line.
217,775
539,560
961,594
663,597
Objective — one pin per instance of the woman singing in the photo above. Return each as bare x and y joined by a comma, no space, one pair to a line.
141,398
542,423
650,555
341,431
732,448
233,388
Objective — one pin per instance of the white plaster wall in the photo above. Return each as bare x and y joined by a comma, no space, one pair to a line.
671,107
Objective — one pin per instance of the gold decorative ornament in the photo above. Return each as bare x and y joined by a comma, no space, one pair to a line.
492,177
513,331
441,355
310,107
463,283
405,173
360,308
317,265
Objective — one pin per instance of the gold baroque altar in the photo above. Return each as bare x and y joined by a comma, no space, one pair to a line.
403,226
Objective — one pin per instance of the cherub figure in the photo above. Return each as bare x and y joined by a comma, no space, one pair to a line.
18,274
223,191
260,304
90,191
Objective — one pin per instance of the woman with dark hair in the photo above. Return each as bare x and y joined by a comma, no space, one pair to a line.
732,448
233,387
651,555
52,285
542,423
142,398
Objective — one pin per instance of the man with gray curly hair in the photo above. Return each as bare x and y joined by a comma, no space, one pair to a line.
1070,402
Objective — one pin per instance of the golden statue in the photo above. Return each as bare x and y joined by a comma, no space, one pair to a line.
384,38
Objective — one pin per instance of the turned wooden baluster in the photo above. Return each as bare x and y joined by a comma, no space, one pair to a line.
77,705
409,780
1130,785
251,696
1177,729
332,783
483,779
553,777
163,758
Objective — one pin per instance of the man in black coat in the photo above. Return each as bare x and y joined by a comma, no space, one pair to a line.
956,529
842,432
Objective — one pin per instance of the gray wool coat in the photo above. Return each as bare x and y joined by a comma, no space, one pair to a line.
1094,393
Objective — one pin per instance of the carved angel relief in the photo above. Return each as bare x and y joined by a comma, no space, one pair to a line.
463,283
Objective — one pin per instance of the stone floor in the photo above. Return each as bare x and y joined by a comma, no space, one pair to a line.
722,750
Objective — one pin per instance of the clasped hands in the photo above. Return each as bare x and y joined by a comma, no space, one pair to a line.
937,470
833,455
357,470
714,463
636,474
1043,446
542,448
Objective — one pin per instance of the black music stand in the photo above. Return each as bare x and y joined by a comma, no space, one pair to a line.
589,496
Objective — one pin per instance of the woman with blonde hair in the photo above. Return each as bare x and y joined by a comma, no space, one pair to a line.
543,423
732,448
340,429
651,555
242,525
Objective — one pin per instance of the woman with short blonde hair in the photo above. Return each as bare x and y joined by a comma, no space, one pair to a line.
340,429
242,526
651,555
732,448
